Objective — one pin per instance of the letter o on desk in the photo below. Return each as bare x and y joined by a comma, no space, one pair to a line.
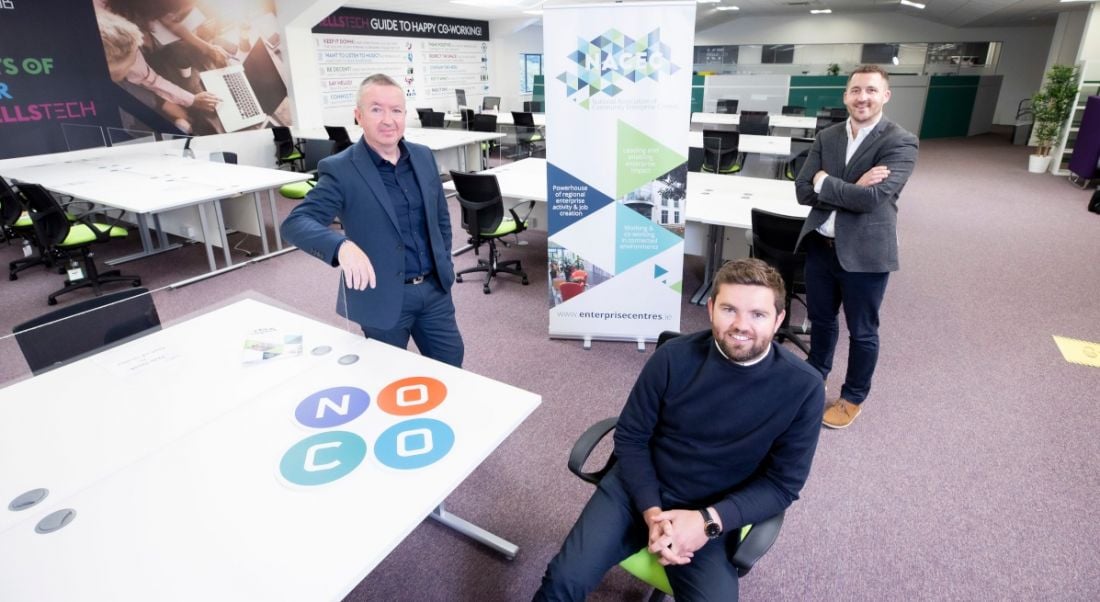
411,396
413,444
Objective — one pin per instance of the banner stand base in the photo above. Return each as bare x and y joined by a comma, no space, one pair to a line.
641,344
587,346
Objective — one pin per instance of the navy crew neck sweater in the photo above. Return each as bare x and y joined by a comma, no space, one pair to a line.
700,430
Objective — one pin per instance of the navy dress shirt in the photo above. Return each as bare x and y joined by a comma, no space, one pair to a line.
408,205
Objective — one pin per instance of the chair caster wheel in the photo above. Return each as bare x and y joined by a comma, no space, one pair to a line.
135,283
485,289
13,277
526,282
51,301
458,278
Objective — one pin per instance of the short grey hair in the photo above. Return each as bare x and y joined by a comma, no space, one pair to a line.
378,79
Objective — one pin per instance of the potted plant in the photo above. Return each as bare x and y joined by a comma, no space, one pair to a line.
833,69
1050,108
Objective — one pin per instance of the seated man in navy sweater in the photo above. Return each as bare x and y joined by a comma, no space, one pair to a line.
718,432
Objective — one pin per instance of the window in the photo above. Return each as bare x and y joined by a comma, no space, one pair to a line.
777,53
530,65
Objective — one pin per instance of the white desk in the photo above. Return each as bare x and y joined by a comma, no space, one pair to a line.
751,143
174,470
149,184
801,122
462,142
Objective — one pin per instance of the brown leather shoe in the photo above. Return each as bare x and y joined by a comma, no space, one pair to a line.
840,414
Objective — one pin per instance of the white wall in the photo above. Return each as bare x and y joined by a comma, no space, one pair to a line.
510,38
296,20
1022,58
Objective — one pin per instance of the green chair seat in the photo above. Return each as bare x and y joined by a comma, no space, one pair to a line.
294,156
24,221
81,234
297,190
506,227
644,565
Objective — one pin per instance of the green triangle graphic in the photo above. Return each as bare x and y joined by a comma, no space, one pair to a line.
641,159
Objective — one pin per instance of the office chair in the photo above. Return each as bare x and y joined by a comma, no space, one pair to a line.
339,136
420,112
287,150
793,110
823,122
695,159
15,223
432,119
756,540
838,113
532,106
795,164
297,190
727,105
720,152
773,240
224,157
61,238
484,220
527,133
490,103
467,117
485,123
67,334
753,122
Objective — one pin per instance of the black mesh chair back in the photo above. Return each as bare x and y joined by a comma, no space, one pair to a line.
796,164
532,106
793,110
490,103
695,159
282,134
467,117
720,153
727,105
481,202
823,122
838,113
338,134
523,119
10,207
432,119
224,157
421,110
754,122
774,237
51,225
483,123
65,335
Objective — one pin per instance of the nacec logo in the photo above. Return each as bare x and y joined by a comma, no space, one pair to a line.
7,4
332,454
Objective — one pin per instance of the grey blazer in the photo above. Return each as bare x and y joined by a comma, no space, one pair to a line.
866,218
350,187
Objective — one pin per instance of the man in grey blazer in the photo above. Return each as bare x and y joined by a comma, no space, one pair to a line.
852,179
395,250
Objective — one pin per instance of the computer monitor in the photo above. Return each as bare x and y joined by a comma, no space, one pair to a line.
490,103
460,96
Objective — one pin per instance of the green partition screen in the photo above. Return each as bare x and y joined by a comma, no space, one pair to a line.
949,105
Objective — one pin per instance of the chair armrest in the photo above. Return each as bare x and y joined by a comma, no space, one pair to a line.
530,208
584,446
756,543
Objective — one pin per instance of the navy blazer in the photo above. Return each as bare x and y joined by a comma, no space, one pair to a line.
350,187
866,217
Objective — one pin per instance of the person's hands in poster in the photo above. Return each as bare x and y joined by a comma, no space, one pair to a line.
206,101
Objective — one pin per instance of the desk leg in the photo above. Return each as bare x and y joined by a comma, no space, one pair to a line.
505,547
274,218
260,221
147,248
462,151
206,239
715,245
221,231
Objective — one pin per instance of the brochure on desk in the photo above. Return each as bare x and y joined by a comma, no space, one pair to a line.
618,93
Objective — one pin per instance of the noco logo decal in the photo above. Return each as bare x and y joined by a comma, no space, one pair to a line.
333,454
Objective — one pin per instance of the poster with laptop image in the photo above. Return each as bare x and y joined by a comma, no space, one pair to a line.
196,66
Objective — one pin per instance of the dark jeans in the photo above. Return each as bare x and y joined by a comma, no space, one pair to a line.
609,530
828,286
428,316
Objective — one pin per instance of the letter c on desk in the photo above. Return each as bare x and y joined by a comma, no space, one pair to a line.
322,458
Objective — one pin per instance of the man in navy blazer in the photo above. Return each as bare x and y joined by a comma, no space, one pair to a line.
395,250
852,179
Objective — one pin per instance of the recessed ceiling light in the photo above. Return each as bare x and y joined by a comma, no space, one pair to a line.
727,8
913,4
1075,0
822,11
708,1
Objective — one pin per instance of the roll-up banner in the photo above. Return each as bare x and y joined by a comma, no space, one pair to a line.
618,103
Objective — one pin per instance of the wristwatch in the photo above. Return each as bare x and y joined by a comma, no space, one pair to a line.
710,527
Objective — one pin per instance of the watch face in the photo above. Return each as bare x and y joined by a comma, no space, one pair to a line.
713,530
